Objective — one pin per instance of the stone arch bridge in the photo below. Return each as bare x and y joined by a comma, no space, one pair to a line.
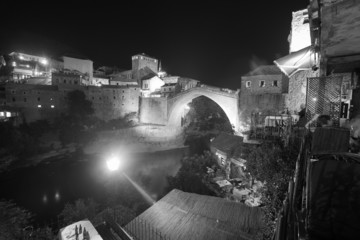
168,111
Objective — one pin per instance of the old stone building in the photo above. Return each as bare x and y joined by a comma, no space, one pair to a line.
263,91
112,102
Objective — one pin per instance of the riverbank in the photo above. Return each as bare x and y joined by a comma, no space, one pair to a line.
141,139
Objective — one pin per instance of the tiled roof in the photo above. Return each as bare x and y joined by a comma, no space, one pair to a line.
226,142
265,70
182,215
143,54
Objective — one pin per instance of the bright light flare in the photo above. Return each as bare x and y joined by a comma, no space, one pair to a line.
314,99
187,107
44,61
113,163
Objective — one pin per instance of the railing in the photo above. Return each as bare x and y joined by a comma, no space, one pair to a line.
291,224
220,91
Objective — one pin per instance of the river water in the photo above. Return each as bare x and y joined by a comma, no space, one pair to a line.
44,189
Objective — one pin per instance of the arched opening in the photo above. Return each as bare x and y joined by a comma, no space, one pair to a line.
203,114
199,112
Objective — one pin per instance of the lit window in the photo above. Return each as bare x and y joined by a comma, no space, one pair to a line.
262,83
52,106
14,64
2,114
8,114
248,84
275,83
39,106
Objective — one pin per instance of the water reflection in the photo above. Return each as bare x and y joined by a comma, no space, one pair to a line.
65,181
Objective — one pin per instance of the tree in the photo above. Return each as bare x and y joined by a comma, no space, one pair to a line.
73,125
13,220
190,176
81,209
274,165
78,106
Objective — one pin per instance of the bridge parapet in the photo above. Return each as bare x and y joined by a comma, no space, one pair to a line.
220,91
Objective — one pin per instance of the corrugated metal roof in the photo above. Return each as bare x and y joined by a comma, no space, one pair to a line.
181,215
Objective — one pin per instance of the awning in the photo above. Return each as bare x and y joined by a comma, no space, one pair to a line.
296,61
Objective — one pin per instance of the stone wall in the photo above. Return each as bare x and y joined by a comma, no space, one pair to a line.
268,87
299,37
266,104
153,110
340,28
297,90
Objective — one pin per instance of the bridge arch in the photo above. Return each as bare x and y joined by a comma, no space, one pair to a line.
227,101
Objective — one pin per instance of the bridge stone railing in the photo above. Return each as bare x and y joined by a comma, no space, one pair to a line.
219,91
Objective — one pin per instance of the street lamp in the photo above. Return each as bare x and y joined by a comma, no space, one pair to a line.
113,163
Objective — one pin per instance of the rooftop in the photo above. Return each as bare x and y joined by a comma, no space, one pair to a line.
226,142
265,70
182,215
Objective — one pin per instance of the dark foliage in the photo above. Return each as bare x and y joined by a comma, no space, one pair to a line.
274,165
191,175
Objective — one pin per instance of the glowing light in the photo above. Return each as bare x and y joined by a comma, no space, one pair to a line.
28,65
113,163
8,114
52,106
14,64
44,199
57,196
21,57
39,106
187,107
44,61
314,99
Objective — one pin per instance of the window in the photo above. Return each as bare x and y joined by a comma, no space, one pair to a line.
13,99
64,81
38,99
76,82
275,83
146,86
222,161
262,83
39,106
248,84
24,92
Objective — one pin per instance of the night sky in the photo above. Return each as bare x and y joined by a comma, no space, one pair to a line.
215,42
